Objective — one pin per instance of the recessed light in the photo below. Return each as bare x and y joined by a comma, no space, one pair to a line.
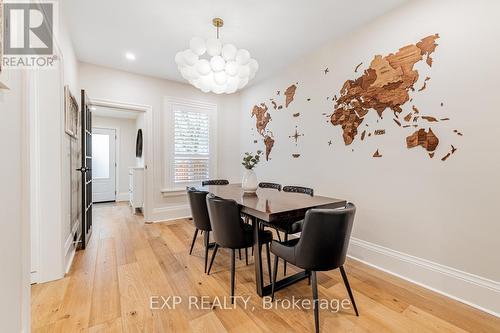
130,56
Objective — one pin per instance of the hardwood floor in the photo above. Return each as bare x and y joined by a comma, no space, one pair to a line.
110,284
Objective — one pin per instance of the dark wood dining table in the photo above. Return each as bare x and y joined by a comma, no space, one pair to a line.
271,205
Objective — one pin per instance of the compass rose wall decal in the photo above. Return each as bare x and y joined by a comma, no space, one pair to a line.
296,136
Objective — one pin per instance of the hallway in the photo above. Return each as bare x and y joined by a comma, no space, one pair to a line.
127,261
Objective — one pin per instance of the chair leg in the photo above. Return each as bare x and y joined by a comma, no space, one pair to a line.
207,241
233,259
277,232
246,255
275,273
216,247
284,261
269,263
315,300
239,252
252,250
309,278
194,239
348,287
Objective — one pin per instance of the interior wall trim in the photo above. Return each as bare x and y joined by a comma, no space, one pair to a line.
122,196
170,213
476,291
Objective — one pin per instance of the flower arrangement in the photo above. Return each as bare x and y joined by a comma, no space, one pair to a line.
250,160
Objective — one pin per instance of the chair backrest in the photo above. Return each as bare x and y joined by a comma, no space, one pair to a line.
325,238
214,182
299,189
199,211
270,185
227,227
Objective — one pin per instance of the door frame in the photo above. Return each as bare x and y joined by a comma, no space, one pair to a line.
148,144
117,155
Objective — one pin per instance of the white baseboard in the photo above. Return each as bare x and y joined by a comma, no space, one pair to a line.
170,213
122,196
473,290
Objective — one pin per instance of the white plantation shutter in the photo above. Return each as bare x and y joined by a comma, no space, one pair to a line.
191,146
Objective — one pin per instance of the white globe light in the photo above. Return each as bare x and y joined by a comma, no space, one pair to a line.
214,47
229,52
205,88
232,84
219,89
203,67
220,77
197,45
189,57
254,65
217,63
179,59
242,57
197,83
224,69
242,83
208,80
190,72
232,68
244,72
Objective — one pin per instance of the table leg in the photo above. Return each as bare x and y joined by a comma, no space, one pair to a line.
259,280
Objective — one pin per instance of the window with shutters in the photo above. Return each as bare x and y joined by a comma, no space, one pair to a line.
191,146
191,143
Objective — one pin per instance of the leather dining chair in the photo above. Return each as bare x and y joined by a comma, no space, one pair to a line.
215,182
292,227
199,211
270,185
322,247
299,189
231,232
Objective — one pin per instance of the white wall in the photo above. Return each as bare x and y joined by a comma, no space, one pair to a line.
109,84
50,161
14,255
442,212
125,148
70,78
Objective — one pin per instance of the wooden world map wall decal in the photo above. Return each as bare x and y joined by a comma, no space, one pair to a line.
290,93
262,118
386,84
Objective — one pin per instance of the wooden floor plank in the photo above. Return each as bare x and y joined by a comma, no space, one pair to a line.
105,295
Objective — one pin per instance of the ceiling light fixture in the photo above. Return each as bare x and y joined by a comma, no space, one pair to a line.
130,56
224,69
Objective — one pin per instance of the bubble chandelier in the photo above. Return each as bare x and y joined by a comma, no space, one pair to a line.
213,66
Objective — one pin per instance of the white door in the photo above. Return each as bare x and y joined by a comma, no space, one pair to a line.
103,164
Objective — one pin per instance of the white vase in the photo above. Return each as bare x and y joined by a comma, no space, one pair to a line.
249,182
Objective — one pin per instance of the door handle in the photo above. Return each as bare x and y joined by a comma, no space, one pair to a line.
82,169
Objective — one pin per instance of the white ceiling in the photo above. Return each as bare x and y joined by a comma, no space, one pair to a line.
276,32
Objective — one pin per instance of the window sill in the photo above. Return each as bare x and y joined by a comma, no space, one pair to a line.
173,192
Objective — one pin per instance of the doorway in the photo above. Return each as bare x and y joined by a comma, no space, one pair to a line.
131,124
104,164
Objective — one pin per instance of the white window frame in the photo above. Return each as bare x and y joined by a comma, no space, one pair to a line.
172,104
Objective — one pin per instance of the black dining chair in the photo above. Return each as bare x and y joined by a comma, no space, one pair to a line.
322,246
199,212
290,227
299,189
270,185
215,182
231,232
